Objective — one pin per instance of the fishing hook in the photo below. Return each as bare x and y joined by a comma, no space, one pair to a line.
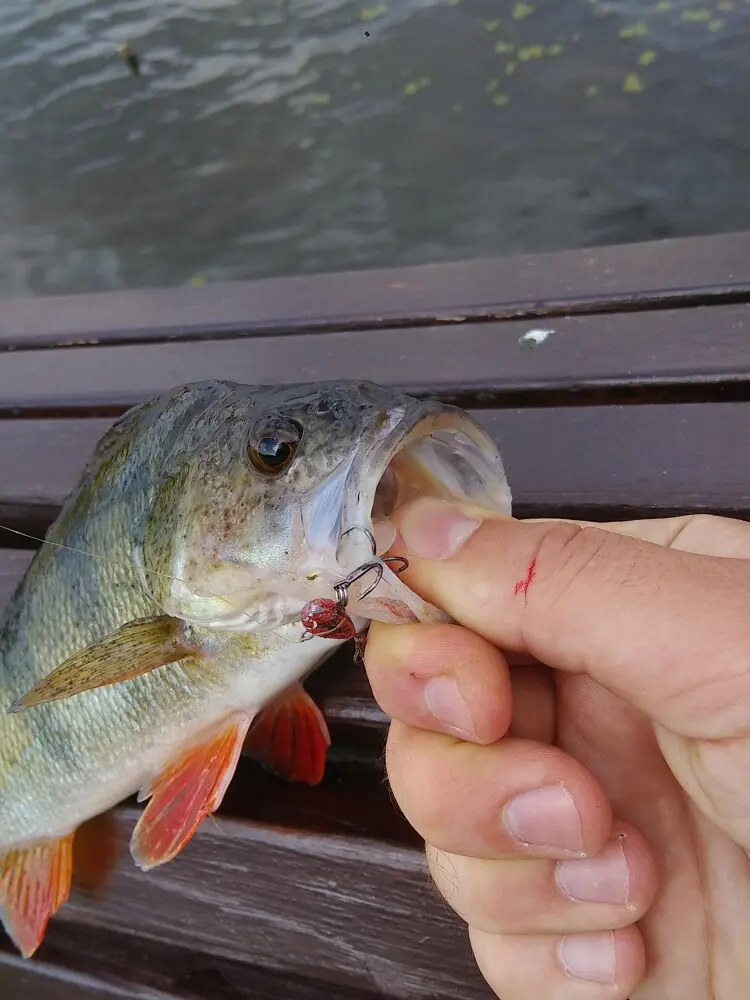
366,567
341,589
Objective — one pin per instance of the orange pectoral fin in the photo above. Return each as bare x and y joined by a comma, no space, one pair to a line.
290,737
189,789
34,883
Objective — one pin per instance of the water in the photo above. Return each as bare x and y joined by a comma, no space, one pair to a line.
272,137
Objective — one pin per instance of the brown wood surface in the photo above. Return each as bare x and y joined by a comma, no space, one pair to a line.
119,965
267,896
710,268
637,404
585,359
21,980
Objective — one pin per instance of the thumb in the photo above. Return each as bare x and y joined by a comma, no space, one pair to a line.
666,630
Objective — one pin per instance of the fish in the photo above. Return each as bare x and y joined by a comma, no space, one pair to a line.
167,624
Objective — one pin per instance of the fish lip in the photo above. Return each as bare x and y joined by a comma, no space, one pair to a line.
393,432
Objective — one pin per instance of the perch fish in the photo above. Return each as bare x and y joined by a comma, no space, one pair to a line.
166,626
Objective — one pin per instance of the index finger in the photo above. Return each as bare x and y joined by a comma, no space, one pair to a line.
663,628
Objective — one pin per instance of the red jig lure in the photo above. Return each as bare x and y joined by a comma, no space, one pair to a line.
329,619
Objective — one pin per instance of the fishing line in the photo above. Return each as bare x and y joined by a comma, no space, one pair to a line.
166,576
114,562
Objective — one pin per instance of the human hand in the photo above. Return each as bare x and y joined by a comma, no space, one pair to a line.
590,822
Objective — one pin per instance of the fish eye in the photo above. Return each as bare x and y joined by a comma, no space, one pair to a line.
273,445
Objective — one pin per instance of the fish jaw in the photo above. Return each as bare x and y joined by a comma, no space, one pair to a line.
430,450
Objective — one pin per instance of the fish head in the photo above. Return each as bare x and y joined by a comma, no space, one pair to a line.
276,494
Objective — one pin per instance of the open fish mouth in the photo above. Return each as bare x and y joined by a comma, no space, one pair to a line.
438,451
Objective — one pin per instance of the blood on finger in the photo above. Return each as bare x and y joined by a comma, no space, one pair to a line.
522,586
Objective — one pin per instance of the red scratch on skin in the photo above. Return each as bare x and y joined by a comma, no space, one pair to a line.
522,587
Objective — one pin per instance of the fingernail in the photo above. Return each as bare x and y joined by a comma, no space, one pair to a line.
545,817
589,956
601,879
434,529
445,703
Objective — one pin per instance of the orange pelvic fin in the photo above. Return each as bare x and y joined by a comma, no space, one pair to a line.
34,883
189,789
290,737
95,849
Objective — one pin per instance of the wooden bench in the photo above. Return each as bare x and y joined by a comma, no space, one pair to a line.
633,401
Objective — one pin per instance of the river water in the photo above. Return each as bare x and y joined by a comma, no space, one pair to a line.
269,137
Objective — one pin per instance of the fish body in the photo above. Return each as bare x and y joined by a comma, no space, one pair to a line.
204,522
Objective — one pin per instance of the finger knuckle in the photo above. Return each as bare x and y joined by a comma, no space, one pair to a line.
568,556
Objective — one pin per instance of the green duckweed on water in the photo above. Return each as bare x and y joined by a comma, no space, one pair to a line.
316,99
531,52
701,16
373,13
414,86
522,10
632,84
637,30
521,43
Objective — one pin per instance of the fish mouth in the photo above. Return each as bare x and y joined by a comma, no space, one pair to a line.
418,449
438,451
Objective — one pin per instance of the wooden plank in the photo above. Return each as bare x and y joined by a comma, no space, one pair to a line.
582,360
633,276
21,980
78,961
318,907
596,461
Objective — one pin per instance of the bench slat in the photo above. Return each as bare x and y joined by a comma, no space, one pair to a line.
21,980
282,900
111,965
477,364
632,276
